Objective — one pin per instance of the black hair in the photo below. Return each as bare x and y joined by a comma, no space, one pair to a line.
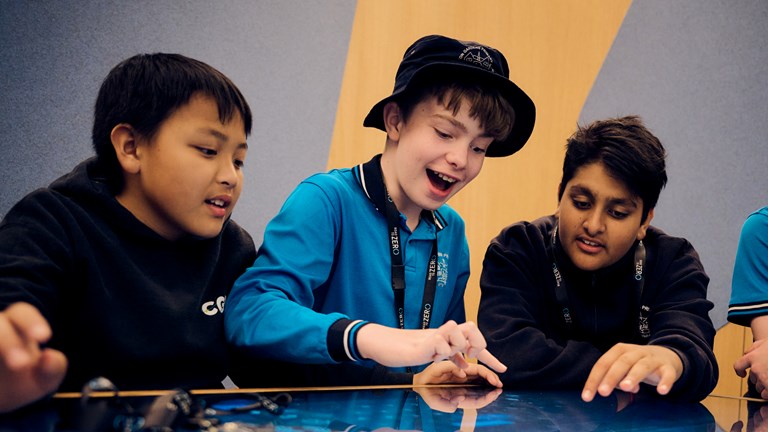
627,149
145,90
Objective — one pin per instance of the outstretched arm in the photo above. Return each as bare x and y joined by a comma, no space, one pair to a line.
396,347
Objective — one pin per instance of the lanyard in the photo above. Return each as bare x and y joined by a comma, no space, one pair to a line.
561,289
372,181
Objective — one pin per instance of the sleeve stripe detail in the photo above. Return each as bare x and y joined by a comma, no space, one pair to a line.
750,307
350,339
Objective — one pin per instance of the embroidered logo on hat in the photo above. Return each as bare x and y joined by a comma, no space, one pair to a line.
479,56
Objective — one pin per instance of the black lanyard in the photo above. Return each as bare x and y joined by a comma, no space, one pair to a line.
561,289
372,181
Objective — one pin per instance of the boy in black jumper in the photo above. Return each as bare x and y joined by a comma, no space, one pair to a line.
594,297
121,267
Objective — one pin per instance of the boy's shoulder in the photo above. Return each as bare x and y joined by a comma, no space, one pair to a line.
536,231
73,193
336,177
757,222
759,213
668,250
338,184
234,234
660,238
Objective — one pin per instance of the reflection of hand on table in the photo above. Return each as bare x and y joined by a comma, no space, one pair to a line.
623,400
449,399
757,420
447,372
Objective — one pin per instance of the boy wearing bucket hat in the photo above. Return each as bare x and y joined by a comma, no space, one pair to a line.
365,268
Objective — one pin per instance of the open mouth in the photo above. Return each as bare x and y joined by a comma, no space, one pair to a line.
440,181
217,202
589,246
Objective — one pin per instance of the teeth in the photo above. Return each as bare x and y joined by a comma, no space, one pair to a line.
218,203
445,178
589,243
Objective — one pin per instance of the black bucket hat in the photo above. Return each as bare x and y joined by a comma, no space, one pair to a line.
440,55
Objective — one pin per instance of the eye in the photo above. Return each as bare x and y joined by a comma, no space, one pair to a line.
618,214
580,204
479,150
207,151
442,134
239,164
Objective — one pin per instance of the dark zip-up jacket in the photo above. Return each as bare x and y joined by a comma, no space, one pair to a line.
525,328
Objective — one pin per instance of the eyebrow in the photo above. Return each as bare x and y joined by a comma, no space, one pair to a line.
582,190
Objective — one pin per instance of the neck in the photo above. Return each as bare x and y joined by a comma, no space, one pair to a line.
411,211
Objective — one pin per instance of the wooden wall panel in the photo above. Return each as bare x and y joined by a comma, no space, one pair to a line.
731,341
555,50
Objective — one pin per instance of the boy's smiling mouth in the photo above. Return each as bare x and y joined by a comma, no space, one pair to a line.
219,205
440,181
589,246
217,202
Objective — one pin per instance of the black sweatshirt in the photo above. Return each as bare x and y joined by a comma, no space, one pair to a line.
122,301
525,328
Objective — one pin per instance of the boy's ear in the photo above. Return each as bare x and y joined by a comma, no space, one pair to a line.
559,201
124,141
644,226
393,120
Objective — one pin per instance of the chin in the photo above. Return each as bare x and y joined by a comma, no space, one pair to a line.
588,264
207,232
432,205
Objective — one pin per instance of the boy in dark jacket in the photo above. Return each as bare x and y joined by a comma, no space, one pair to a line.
593,296
121,267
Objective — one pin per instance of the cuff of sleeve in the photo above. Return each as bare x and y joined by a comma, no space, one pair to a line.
342,340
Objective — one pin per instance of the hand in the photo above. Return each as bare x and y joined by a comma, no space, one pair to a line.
397,347
625,366
449,399
756,360
27,372
446,372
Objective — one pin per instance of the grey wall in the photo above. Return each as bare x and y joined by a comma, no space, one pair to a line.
286,56
696,72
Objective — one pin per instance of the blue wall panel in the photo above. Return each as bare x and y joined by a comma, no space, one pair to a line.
696,72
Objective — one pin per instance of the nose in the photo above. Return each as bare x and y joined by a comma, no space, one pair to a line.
457,156
594,223
228,174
